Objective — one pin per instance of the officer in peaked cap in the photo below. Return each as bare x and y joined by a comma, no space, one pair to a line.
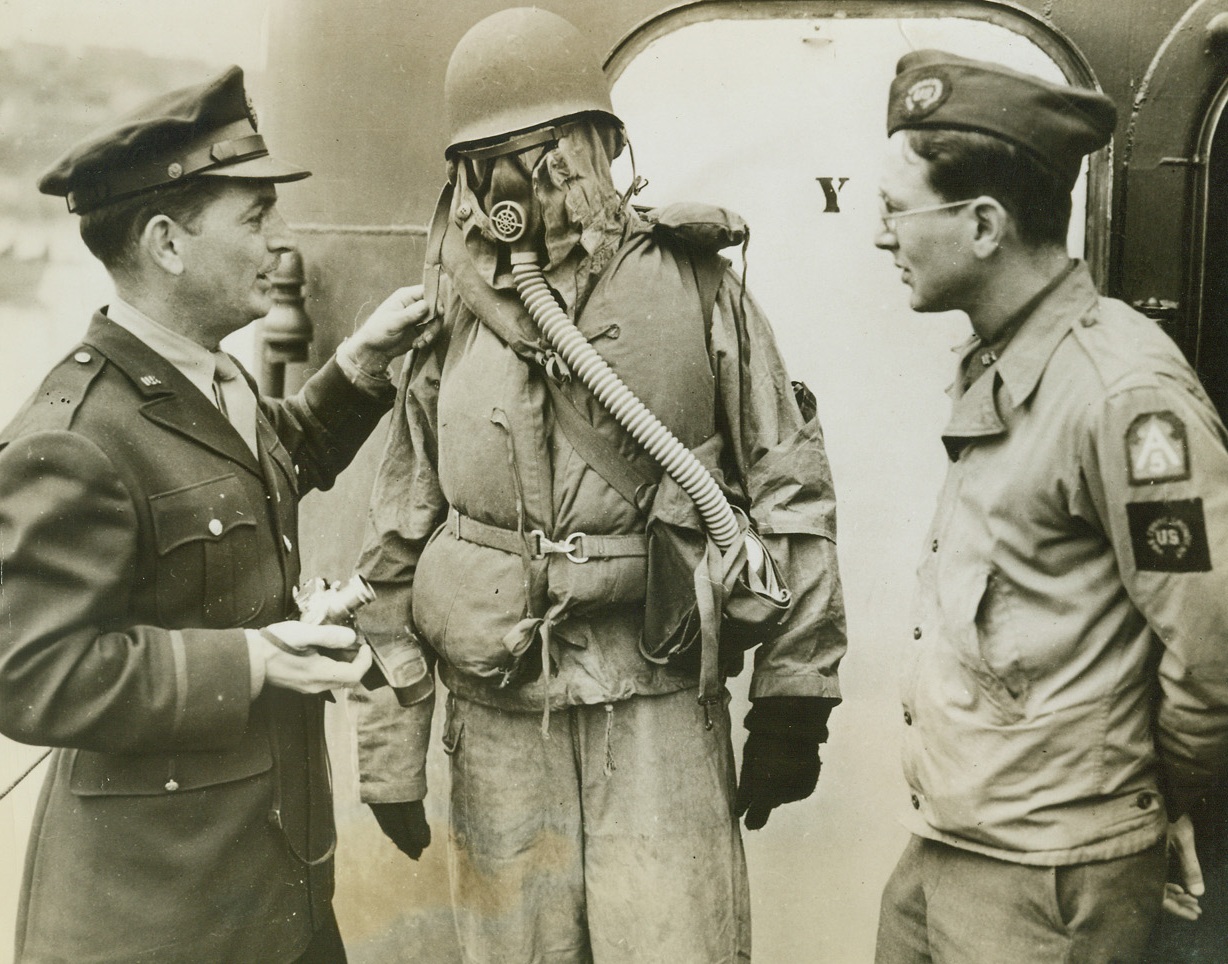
1065,706
148,513
205,130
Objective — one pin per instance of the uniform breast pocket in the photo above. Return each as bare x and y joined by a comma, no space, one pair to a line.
207,540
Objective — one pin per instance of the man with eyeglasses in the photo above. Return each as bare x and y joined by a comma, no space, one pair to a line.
1066,690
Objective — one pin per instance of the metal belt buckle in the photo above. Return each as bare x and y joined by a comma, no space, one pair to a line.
541,546
575,550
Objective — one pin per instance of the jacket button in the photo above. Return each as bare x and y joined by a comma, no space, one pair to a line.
1143,800
172,786
916,632
907,718
916,802
81,357
464,211
215,526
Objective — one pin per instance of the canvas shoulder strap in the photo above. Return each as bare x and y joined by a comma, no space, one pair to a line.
629,479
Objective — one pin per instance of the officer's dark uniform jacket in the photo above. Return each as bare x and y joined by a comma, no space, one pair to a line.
138,536
475,446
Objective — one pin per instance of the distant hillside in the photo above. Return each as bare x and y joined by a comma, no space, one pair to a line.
51,96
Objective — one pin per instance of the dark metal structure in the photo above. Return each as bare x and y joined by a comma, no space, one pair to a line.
354,90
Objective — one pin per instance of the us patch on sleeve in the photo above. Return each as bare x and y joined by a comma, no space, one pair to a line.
1156,449
1169,536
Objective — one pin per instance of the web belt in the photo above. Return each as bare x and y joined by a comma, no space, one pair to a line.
578,547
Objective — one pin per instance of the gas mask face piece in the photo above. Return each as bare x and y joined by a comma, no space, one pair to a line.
494,207
496,192
554,197
503,189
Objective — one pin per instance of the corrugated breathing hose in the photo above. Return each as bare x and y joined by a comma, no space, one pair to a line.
621,402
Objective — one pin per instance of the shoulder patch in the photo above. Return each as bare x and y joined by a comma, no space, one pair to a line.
1169,536
1156,449
54,402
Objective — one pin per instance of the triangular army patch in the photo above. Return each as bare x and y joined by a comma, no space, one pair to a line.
1156,449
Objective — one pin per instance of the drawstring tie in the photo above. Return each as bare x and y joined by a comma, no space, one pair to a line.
609,767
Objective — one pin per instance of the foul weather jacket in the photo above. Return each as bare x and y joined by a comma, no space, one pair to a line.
474,440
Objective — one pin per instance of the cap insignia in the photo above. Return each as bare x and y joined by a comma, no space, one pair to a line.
924,96
251,111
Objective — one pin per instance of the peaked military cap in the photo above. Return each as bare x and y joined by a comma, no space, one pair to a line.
1057,123
206,129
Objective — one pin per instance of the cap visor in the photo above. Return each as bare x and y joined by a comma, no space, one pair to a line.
259,168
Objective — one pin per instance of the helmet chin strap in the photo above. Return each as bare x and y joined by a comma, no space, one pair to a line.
637,183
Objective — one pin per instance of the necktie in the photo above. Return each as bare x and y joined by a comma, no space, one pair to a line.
235,398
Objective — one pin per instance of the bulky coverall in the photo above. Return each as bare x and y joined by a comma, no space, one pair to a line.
613,838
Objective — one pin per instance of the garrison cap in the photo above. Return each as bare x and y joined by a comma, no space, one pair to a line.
1056,123
206,129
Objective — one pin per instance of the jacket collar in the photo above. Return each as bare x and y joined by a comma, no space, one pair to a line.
171,399
1026,356
976,412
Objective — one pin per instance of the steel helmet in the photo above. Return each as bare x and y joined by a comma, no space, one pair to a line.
518,70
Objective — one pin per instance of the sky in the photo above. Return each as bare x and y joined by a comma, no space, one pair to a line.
215,31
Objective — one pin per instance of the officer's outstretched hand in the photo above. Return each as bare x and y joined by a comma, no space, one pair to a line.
780,761
405,825
398,324
306,658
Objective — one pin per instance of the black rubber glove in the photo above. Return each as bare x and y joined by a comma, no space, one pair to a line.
405,825
780,761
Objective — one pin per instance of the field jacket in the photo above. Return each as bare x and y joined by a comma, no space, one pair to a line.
1068,657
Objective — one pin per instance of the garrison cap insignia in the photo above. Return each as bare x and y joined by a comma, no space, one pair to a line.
925,96
1156,449
1169,536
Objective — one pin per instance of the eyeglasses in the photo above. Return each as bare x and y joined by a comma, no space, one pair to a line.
889,218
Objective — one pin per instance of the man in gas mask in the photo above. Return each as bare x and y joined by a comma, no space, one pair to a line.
569,592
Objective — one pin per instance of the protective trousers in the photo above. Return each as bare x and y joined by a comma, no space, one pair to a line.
610,840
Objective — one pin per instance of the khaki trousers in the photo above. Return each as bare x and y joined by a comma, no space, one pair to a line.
609,841
951,906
